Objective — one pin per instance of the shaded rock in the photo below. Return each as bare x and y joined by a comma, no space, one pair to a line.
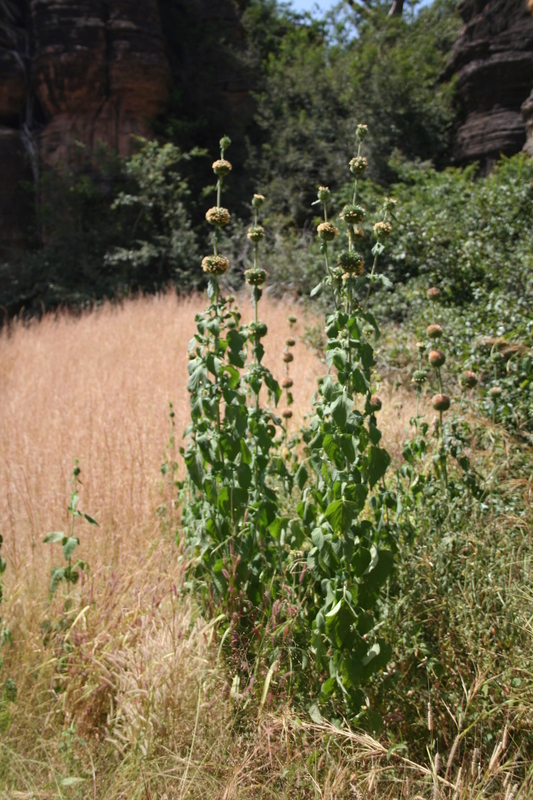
493,65
99,71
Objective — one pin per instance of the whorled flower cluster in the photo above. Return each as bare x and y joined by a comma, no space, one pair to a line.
218,216
215,265
327,231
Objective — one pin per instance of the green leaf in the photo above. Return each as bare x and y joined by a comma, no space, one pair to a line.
341,513
317,290
340,409
54,536
244,476
69,545
301,476
378,463
90,520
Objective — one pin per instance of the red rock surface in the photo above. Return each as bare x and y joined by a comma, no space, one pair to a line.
99,71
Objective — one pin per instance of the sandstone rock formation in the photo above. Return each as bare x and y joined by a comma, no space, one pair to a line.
99,72
493,64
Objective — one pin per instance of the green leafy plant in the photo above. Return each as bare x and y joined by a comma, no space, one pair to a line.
296,578
69,543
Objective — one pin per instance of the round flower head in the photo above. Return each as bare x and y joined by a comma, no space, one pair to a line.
258,200
192,356
358,233
323,193
286,413
225,142
222,167
217,216
258,328
375,403
352,214
433,293
256,233
290,342
440,402
255,277
434,331
358,166
421,347
436,358
497,356
419,376
361,132
288,357
469,379
495,392
215,265
287,383
327,231
351,263
389,204
382,230
292,319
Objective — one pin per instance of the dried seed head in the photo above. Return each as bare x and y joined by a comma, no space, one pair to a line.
215,265
287,383
469,379
286,413
290,342
221,167
352,214
217,216
351,263
327,231
323,194
361,132
440,402
437,764
382,230
436,358
258,200
430,716
476,758
255,277
419,376
434,331
288,357
495,392
225,142
433,293
358,166
256,233
375,403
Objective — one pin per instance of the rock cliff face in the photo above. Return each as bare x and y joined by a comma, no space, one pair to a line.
99,71
493,64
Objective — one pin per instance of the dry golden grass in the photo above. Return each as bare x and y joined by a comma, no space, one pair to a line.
127,700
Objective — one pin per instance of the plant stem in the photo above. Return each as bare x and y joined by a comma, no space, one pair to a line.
370,282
